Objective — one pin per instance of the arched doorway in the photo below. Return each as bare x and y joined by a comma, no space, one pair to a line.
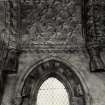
52,92
29,86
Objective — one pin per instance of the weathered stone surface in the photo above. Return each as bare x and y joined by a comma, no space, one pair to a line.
53,39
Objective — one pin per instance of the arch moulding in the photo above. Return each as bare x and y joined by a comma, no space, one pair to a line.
21,79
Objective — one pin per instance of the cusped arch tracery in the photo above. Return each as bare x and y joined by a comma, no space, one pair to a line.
52,68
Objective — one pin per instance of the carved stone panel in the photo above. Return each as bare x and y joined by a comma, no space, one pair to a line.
51,24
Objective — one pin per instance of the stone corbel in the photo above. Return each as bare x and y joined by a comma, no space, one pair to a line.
96,63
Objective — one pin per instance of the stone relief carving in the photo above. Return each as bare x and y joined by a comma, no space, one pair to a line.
57,25
47,23
94,32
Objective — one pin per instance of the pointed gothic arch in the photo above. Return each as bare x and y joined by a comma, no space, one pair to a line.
30,80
